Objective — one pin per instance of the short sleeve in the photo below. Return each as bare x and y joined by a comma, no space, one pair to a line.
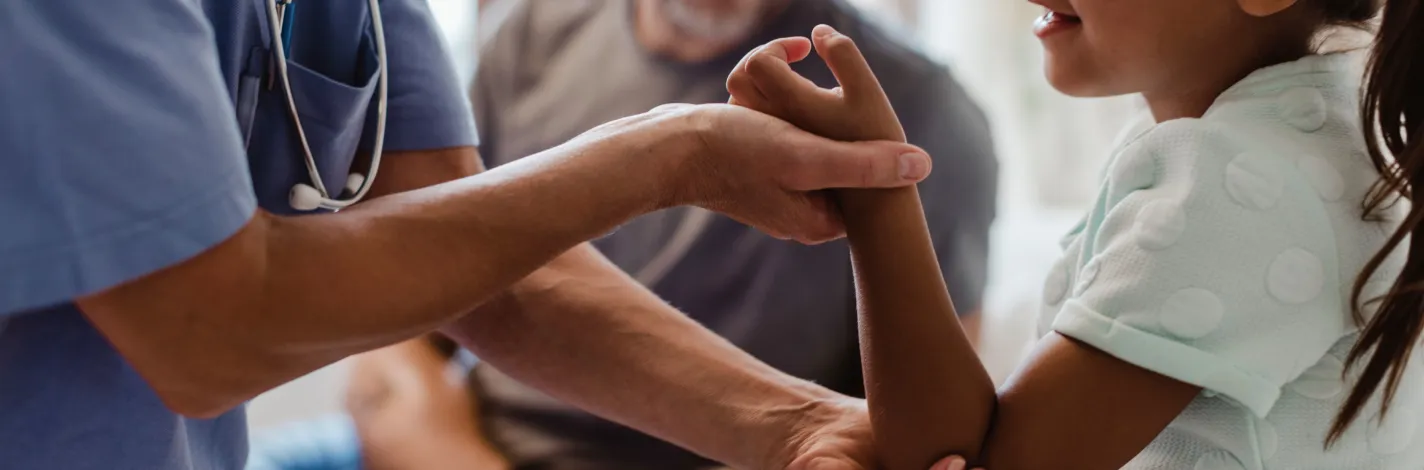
427,105
1211,261
121,150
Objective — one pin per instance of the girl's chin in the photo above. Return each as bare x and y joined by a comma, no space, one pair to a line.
1077,83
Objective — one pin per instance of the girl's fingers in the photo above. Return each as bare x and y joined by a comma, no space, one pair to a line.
846,62
770,71
741,84
742,89
745,93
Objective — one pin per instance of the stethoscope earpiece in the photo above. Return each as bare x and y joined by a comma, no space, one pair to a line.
354,182
304,197
308,197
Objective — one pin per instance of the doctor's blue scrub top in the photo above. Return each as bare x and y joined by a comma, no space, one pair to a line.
136,134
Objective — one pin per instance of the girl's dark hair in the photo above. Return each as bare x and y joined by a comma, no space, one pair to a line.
1392,110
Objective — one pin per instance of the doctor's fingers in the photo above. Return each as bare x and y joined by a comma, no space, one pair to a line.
951,463
814,163
809,218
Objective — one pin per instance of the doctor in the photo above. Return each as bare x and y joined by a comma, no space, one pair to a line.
158,266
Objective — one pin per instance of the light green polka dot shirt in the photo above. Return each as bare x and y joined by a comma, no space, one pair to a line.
1221,252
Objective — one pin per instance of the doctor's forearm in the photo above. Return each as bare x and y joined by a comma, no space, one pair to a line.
648,366
285,296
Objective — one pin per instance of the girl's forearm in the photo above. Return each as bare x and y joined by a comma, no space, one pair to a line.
929,395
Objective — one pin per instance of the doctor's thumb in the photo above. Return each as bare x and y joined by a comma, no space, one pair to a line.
873,164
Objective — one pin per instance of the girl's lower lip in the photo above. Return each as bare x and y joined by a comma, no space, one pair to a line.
1053,23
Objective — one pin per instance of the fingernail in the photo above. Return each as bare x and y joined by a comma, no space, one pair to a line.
914,167
956,463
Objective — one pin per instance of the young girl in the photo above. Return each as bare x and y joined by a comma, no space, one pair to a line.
1242,294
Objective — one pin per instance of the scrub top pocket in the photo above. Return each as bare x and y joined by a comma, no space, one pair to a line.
333,114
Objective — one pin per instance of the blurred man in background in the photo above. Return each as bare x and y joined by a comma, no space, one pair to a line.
556,68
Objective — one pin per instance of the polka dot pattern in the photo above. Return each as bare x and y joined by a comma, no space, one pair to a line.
1056,287
1303,109
1252,181
1255,206
1089,274
1159,225
1191,313
1395,433
1295,277
1218,460
1268,438
1323,176
1321,381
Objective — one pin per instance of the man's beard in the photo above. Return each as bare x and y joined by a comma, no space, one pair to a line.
728,25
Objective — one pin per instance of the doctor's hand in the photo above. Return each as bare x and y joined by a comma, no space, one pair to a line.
839,438
758,169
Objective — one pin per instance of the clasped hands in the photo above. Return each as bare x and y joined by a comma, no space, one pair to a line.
857,110
403,426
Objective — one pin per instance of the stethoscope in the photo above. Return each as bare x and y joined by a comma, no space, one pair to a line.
307,197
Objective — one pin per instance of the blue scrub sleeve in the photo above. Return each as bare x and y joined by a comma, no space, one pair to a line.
428,108
120,148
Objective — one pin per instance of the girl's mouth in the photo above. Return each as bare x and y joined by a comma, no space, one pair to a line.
1053,22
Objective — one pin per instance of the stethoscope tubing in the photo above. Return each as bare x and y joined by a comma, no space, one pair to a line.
281,34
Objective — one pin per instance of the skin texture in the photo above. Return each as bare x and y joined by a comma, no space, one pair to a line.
662,372
408,411
285,296
1069,407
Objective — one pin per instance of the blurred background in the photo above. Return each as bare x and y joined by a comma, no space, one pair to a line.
1049,147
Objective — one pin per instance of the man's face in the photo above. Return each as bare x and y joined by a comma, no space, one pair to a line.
717,21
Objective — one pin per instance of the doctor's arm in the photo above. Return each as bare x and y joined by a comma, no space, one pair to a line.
286,295
649,367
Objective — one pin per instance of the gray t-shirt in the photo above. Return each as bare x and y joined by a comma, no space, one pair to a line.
557,68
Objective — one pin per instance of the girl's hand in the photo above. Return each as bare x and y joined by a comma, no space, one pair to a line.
856,110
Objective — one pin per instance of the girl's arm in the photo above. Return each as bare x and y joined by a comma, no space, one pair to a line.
1071,406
